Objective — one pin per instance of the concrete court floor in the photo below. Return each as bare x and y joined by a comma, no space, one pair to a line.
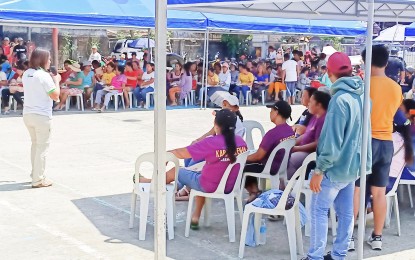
85,214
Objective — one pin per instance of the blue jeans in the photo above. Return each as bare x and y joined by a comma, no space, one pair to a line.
244,90
140,93
190,179
341,194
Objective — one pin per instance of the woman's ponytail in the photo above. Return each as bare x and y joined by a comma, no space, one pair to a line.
226,121
229,135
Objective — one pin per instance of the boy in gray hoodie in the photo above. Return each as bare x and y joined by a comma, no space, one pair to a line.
338,160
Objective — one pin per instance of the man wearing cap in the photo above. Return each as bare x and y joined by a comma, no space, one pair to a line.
280,112
19,51
338,160
94,55
225,76
396,67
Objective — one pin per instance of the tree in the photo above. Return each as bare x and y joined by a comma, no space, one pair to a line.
336,42
236,44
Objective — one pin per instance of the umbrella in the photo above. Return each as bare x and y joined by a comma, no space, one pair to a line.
328,50
141,43
218,97
173,58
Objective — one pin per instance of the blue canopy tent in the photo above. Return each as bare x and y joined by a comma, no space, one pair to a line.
410,30
360,10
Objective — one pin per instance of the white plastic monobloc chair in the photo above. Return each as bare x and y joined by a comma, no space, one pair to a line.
79,101
149,99
220,194
250,125
291,216
144,191
392,200
286,145
409,183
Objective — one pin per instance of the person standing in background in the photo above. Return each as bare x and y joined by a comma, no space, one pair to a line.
395,69
95,54
289,77
19,51
41,89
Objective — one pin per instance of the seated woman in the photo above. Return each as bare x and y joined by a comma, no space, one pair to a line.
109,74
279,114
303,80
245,80
88,80
15,89
132,78
117,84
225,77
261,83
307,143
219,151
302,123
146,86
184,87
73,85
234,77
276,85
212,84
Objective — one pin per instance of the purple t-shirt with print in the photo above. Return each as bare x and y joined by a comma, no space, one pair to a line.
273,138
212,150
313,130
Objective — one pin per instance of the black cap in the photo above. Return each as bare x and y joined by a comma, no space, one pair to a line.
283,108
394,51
226,119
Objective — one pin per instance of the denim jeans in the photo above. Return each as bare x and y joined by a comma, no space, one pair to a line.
140,93
243,89
341,194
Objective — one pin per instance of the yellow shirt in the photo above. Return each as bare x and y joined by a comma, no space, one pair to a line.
214,78
386,96
107,77
246,79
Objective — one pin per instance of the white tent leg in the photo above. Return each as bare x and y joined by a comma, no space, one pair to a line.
207,65
159,176
366,118
204,66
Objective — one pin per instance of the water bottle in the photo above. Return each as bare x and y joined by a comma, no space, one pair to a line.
262,233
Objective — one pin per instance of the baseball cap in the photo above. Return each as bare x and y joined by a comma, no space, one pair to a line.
339,63
232,100
20,39
94,47
283,108
6,39
226,119
400,119
225,64
410,69
86,63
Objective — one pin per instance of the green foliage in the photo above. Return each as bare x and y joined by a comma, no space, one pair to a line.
68,46
94,42
336,42
236,44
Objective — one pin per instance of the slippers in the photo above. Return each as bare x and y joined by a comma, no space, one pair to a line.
182,195
194,226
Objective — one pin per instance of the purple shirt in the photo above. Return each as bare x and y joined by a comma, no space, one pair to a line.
313,130
273,138
212,149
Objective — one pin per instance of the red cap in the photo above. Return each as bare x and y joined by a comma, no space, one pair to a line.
339,63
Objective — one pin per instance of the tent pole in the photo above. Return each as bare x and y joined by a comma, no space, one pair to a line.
159,174
404,48
55,47
207,65
366,121
150,54
204,65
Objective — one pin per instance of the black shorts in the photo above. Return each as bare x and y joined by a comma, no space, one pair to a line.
382,153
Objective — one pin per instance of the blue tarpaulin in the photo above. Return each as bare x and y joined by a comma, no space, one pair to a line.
410,30
140,14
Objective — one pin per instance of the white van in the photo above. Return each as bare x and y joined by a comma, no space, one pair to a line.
132,46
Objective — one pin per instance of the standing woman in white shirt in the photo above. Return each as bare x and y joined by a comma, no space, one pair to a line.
40,91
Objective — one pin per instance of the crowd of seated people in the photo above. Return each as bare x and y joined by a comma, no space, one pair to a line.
279,77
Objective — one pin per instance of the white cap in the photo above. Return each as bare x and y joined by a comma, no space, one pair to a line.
232,100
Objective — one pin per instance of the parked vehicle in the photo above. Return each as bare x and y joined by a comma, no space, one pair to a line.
129,47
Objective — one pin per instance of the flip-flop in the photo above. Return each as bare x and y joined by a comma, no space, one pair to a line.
194,226
182,195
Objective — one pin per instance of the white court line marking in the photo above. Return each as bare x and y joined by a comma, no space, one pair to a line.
59,234
203,245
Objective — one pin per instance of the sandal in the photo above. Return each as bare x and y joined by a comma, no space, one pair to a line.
182,194
194,226
43,184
